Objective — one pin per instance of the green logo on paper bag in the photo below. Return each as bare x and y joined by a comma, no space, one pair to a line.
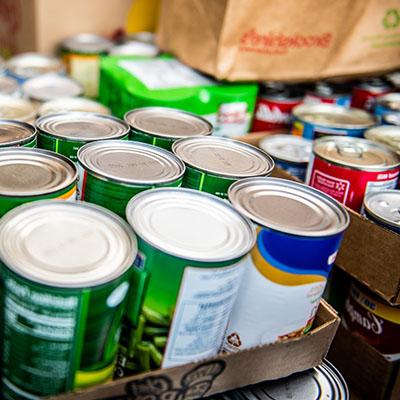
391,19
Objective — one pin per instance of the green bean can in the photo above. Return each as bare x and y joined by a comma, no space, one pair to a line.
15,133
214,163
162,126
192,250
116,170
33,174
66,271
66,132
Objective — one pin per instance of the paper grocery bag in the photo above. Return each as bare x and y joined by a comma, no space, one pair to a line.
282,40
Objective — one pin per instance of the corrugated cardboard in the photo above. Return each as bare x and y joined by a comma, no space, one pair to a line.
369,372
369,252
40,25
224,372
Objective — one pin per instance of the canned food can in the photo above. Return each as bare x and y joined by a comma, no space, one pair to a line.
366,92
384,208
387,103
385,134
274,107
49,87
8,86
15,133
214,163
17,109
187,276
81,54
162,126
31,174
376,322
312,121
290,153
66,132
394,79
323,382
330,93
135,48
114,171
29,65
391,119
349,168
66,271
281,290
68,104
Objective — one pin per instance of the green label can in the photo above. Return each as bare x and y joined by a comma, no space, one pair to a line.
114,171
66,272
214,163
67,132
32,174
162,126
186,277
15,133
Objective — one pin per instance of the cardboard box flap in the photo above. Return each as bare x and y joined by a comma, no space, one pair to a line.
224,372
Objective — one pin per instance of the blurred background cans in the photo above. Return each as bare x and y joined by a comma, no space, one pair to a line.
81,54
387,103
365,93
298,236
291,153
162,126
66,270
68,104
312,121
116,170
388,135
66,132
187,276
391,119
348,168
383,207
31,174
214,163
15,133
17,109
330,92
9,86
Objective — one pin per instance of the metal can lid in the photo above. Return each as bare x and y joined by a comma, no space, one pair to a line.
14,132
209,228
223,156
82,126
130,162
51,86
355,153
288,206
8,85
87,43
333,116
392,118
323,382
17,109
34,172
390,101
287,148
385,206
386,134
167,122
66,104
29,65
394,78
135,48
66,244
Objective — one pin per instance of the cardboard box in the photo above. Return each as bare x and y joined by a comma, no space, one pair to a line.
364,368
40,25
369,252
224,372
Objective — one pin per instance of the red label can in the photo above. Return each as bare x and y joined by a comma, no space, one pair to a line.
274,107
347,168
376,322
330,93
364,94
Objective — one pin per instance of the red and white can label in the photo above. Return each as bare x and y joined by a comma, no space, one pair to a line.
272,115
346,185
365,99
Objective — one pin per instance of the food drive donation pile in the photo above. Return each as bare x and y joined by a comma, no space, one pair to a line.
181,246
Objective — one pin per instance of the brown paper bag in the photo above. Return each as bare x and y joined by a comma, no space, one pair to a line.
283,39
